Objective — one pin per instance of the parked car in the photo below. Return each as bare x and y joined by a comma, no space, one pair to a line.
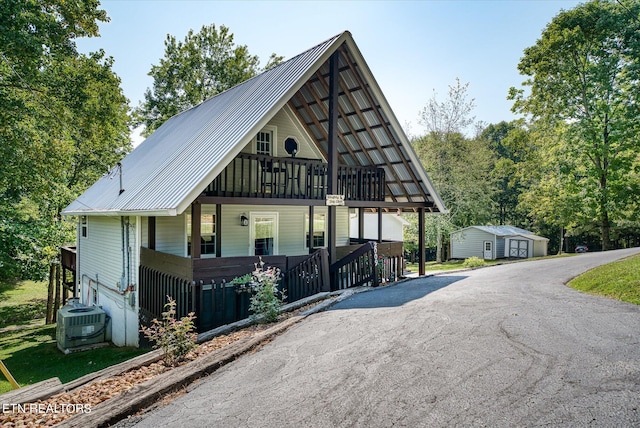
581,249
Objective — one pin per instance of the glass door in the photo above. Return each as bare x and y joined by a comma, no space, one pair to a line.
264,234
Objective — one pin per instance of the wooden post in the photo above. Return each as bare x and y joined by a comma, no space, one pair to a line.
8,376
196,214
421,247
49,318
333,152
56,302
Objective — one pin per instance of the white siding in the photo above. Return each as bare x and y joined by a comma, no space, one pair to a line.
285,125
392,227
171,235
291,239
102,270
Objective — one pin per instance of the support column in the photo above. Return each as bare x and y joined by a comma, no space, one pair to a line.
151,233
361,225
379,225
333,153
196,233
421,247
218,230
310,231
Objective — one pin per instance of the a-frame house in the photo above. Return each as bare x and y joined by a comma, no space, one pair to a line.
272,167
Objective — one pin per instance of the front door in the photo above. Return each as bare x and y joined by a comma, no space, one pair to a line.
488,250
264,234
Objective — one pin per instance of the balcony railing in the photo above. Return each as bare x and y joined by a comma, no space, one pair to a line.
263,176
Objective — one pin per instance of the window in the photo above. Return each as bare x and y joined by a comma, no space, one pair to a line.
207,233
84,226
264,143
319,230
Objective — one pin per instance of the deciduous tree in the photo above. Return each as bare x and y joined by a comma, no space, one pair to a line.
202,65
582,83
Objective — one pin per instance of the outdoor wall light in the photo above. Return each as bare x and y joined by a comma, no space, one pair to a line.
244,220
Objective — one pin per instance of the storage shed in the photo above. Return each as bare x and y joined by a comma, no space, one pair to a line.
495,242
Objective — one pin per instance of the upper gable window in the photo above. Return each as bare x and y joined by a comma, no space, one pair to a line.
265,141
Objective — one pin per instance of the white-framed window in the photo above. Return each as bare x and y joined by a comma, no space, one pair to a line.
207,232
319,230
84,226
265,141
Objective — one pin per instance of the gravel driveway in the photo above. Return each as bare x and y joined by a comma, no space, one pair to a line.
501,346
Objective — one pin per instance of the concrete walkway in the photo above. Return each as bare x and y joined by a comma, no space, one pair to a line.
502,346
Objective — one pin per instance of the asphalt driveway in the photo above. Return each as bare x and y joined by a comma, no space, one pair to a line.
503,346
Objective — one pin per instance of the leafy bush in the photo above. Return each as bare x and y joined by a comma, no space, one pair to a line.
175,337
266,299
472,262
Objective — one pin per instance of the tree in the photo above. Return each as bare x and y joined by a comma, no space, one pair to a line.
460,167
203,65
63,121
582,79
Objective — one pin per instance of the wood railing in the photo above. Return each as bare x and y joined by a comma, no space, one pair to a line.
308,277
261,176
207,289
355,269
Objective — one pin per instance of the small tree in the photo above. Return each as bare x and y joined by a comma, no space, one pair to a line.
175,337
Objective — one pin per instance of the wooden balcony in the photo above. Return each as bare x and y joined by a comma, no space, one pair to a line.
261,176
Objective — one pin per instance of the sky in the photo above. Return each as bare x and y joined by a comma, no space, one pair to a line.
415,49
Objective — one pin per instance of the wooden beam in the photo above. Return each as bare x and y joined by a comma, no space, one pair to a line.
218,230
421,247
196,232
151,233
333,153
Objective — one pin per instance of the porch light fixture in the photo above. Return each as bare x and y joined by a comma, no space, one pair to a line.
244,220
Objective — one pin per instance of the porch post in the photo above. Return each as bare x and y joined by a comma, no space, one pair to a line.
196,210
421,247
151,233
333,151
218,230
361,225
310,243
379,225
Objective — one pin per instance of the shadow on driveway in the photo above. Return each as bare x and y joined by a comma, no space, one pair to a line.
397,295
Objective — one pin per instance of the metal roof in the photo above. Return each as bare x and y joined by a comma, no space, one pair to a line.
168,171
509,231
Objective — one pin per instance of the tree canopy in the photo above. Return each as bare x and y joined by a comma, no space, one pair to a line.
582,77
63,122
202,65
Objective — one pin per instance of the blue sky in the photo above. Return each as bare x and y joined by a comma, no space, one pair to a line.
412,47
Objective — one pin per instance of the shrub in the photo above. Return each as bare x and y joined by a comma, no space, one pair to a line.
472,262
175,337
266,299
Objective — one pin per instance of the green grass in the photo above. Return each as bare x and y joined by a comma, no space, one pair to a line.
22,302
619,280
31,355
29,351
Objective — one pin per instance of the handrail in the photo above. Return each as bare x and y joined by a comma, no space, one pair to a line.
255,175
355,269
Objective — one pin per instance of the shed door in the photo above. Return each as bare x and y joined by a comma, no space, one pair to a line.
519,248
488,250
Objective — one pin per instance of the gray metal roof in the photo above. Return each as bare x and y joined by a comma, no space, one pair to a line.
167,172
510,231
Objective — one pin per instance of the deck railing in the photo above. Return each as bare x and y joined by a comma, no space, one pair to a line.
262,176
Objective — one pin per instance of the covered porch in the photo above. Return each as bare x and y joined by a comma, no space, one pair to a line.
204,285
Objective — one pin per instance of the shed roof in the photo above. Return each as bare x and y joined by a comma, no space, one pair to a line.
168,171
507,231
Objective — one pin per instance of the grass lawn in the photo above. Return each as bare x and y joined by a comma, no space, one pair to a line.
619,280
22,302
30,352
